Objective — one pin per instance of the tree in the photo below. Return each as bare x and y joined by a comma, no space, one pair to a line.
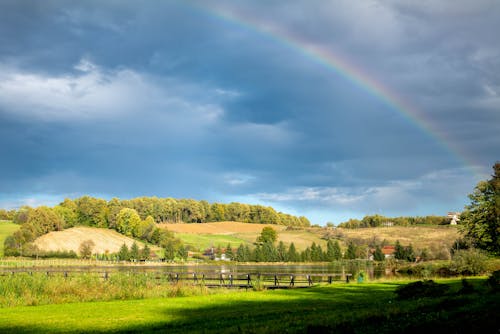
183,253
86,248
268,234
282,254
292,255
134,251
123,253
378,255
350,253
128,222
480,221
399,251
333,252
229,252
170,250
145,252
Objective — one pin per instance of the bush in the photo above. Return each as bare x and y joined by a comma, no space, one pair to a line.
420,289
468,262
494,280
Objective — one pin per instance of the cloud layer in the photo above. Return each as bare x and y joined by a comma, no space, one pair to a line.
179,99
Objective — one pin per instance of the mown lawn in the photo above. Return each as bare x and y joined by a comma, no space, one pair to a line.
6,228
342,308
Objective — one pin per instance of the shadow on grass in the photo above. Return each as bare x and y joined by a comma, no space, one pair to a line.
369,308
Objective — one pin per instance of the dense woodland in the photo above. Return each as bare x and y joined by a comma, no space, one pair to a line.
135,218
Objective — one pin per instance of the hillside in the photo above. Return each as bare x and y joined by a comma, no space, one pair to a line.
201,236
105,240
6,228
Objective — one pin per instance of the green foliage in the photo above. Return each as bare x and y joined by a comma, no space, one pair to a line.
494,280
182,253
124,253
128,222
351,252
421,289
293,255
170,250
268,235
378,220
469,262
480,221
378,255
333,251
134,252
229,252
145,252
404,253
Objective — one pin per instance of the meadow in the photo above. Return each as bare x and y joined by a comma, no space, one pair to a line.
361,308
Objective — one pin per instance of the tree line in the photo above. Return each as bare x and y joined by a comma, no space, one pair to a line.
379,220
136,218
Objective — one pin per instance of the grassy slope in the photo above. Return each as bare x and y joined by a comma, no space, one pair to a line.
202,236
6,228
366,308
105,240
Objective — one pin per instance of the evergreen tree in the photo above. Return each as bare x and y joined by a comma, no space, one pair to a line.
240,254
350,253
410,254
183,253
306,255
170,250
292,255
399,251
229,252
282,254
269,252
378,255
145,253
134,251
123,253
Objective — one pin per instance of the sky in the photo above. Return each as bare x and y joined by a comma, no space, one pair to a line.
327,109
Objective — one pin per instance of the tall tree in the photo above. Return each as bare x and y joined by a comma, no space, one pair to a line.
378,255
134,251
480,221
351,251
128,222
268,234
86,248
293,255
123,253
229,252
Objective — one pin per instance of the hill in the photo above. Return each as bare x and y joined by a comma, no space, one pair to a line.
201,236
6,228
105,240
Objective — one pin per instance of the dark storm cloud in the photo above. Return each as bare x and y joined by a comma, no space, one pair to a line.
167,99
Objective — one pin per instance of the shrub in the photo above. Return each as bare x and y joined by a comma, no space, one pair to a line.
468,262
420,289
494,280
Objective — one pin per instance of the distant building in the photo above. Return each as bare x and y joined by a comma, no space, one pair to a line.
455,217
388,224
388,251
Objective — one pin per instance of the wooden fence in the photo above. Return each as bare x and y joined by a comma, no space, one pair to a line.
209,279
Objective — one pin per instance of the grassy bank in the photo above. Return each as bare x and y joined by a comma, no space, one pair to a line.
360,308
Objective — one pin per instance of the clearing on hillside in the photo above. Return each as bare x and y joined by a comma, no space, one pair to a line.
220,228
105,240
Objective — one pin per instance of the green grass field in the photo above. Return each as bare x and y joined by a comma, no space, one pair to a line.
6,228
203,241
359,308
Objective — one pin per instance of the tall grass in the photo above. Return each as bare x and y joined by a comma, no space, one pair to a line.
39,288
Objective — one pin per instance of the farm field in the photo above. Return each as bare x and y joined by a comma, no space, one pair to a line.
6,228
105,240
205,235
367,308
419,236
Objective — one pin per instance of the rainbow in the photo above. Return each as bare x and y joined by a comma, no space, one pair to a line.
336,63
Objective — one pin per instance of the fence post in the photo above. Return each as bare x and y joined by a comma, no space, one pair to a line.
347,278
231,279
292,280
276,283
